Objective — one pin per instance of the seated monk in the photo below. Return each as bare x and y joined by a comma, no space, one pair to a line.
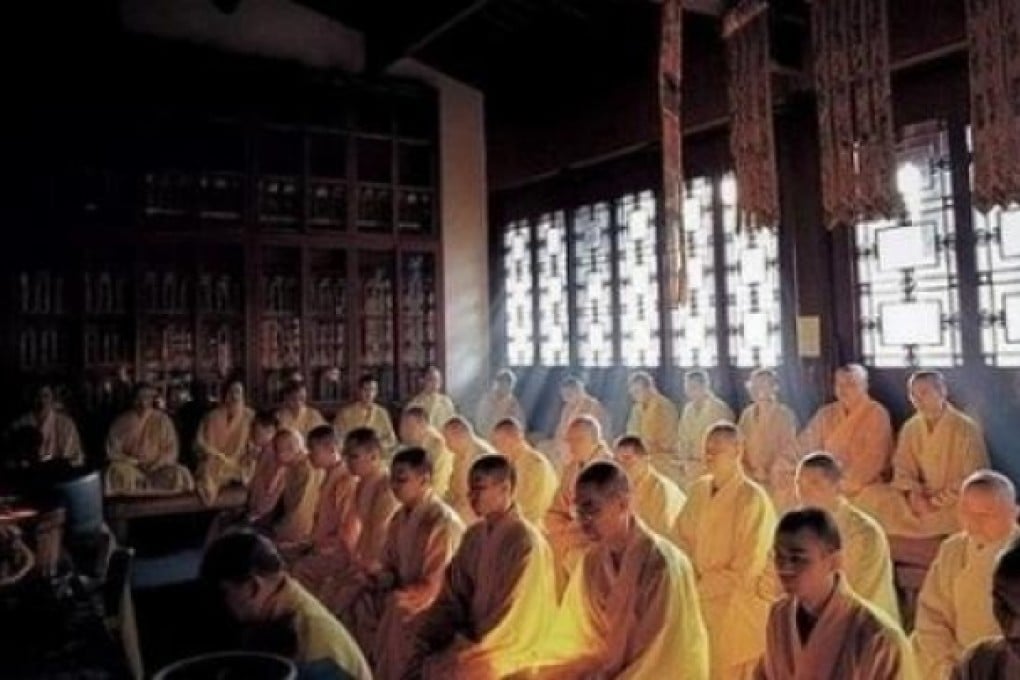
222,444
938,448
465,446
422,538
295,413
655,420
822,628
577,402
770,432
631,609
657,500
490,614
438,406
287,512
498,404
536,478
702,410
142,451
865,558
726,529
998,658
365,412
568,541
416,431
279,616
58,437
954,607
855,429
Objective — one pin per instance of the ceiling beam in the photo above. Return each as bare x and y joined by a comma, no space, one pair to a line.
382,53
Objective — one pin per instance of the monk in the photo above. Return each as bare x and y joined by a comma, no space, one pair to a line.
222,444
465,446
656,421
998,658
58,437
498,404
954,607
726,527
823,629
438,406
657,500
577,402
295,413
264,466
142,451
866,560
855,429
584,447
491,612
279,614
631,609
938,448
365,412
287,512
702,410
770,432
417,430
421,540
536,478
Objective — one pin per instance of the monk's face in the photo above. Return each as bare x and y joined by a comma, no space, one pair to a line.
695,389
579,440
722,454
262,435
1006,607
44,399
145,400
247,601
488,495
849,388
816,489
288,448
323,454
411,429
600,514
432,381
457,437
928,397
408,484
296,399
569,394
762,389
639,391
503,387
234,395
627,457
368,391
362,461
804,564
985,515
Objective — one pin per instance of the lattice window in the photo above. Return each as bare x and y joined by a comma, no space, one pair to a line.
752,287
997,236
639,281
519,292
907,283
553,329
694,325
593,282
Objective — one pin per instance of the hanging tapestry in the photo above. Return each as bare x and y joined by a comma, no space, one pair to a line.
746,31
670,77
855,124
993,36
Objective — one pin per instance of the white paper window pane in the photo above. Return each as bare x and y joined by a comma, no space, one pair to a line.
1011,303
1010,233
908,247
912,323
752,265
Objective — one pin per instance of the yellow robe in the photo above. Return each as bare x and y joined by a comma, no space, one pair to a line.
770,451
867,562
260,485
694,422
457,495
657,422
936,462
59,434
493,408
851,640
374,417
638,619
142,453
536,483
585,406
861,440
294,494
321,639
442,461
954,608
333,530
491,613
222,446
728,536
304,422
657,500
438,405
988,660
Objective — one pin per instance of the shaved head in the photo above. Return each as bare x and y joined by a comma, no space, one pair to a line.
855,371
991,482
458,424
590,426
824,463
607,478
509,426
495,466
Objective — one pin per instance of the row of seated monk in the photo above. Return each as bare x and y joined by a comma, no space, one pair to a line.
606,570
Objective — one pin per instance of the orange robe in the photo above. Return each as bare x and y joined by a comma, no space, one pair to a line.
294,494
457,495
770,451
862,440
333,530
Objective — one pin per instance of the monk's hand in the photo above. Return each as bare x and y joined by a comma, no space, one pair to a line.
920,503
944,498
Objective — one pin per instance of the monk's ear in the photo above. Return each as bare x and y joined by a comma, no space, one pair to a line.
837,559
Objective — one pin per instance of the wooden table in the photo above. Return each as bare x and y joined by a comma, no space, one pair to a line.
120,510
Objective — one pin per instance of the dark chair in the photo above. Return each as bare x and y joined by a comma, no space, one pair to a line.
119,610
87,538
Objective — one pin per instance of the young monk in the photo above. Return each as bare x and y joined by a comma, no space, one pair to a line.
631,609
954,608
654,419
288,510
822,629
249,573
657,500
770,430
536,478
142,451
58,435
577,402
416,430
866,561
222,444
365,412
490,615
998,658
702,410
295,412
498,404
726,528
422,538
465,446
438,406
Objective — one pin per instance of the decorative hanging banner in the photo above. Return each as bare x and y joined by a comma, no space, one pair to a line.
670,79
752,144
855,124
993,36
